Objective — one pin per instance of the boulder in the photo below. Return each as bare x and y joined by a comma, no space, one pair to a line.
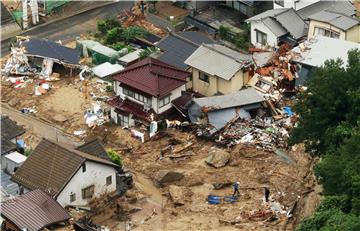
179,195
221,185
13,102
217,158
165,176
60,118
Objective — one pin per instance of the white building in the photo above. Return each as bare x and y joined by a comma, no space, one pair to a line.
295,4
70,176
145,90
12,161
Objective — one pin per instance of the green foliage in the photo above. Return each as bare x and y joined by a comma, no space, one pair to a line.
241,40
114,35
103,26
28,152
147,52
114,157
119,46
224,32
330,127
130,33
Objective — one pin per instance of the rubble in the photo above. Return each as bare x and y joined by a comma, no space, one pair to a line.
217,158
179,195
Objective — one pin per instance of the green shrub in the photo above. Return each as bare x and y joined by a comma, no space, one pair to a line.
28,151
114,157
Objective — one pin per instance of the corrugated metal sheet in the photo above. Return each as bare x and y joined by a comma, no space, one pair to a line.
34,211
343,7
292,22
266,14
341,21
275,27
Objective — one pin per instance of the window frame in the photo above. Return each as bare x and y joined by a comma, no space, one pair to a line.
122,121
137,96
108,182
326,32
91,188
204,77
263,35
163,101
72,197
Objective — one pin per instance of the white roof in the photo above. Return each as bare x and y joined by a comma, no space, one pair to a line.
218,60
16,157
106,69
128,58
319,49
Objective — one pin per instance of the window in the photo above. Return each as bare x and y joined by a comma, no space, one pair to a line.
84,167
123,120
136,96
72,197
108,180
326,32
261,37
280,2
164,101
204,77
88,192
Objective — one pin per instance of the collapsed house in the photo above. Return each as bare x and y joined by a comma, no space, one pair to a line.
33,211
315,51
41,57
220,110
69,175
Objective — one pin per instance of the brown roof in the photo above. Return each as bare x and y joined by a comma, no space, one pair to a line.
51,166
34,211
153,77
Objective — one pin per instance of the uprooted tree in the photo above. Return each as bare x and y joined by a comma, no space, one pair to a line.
329,125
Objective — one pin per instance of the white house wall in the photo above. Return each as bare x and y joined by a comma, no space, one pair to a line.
95,174
296,4
174,94
272,40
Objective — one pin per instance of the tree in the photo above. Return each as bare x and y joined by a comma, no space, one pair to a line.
114,157
114,35
103,26
130,33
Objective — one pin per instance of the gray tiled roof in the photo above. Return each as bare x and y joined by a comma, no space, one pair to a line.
344,7
178,47
281,20
340,21
218,60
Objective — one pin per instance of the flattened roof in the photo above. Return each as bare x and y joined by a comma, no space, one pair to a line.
319,49
343,7
51,165
50,49
178,47
152,76
339,20
218,60
236,99
34,211
285,19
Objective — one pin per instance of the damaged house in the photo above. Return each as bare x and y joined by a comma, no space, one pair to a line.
145,91
43,57
217,69
70,176
220,110
277,26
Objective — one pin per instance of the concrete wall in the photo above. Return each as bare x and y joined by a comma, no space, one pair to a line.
272,40
216,84
324,25
95,174
296,4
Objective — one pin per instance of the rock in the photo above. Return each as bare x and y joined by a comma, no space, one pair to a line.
179,195
133,209
60,118
220,185
165,176
217,158
13,102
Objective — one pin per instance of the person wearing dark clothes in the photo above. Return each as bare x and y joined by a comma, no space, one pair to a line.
266,194
236,188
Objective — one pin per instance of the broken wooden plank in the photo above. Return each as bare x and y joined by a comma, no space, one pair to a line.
183,148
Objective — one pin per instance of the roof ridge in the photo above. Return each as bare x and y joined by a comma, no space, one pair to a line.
184,39
341,14
222,53
165,65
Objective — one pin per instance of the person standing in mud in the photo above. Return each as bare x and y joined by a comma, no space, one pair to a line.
236,189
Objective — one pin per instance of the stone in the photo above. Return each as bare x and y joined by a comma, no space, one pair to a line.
179,195
60,118
13,102
165,176
220,185
217,158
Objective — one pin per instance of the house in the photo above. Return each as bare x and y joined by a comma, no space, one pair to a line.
10,132
9,27
316,51
94,147
105,70
32,211
275,26
70,176
145,90
219,110
295,4
217,69
177,47
334,25
248,8
342,7
13,161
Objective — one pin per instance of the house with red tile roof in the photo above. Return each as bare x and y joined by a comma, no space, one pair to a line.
145,90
